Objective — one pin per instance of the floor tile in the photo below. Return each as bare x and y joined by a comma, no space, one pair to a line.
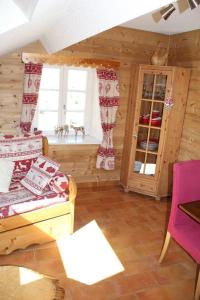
135,227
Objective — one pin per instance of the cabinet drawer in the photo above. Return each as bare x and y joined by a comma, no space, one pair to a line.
142,184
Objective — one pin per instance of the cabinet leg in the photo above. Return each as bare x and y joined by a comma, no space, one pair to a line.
126,189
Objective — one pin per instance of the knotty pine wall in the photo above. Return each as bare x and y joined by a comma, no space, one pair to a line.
185,52
128,46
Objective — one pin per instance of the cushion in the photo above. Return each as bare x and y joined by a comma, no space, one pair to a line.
59,182
22,200
6,171
40,174
23,150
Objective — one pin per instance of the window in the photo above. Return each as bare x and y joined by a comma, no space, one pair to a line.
76,96
68,96
48,101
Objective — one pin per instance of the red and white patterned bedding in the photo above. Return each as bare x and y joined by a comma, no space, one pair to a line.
24,151
20,200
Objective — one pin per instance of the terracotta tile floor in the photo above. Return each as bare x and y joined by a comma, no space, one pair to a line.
134,226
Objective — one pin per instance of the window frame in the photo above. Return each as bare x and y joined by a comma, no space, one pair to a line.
66,90
62,98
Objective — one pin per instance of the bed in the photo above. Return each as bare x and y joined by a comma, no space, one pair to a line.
26,219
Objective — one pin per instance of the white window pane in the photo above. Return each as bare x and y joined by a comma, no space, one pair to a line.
76,118
50,78
47,121
48,100
75,101
77,80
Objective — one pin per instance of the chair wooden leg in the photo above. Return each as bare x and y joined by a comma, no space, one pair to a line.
197,289
165,246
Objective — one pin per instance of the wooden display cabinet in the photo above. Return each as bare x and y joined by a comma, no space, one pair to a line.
153,130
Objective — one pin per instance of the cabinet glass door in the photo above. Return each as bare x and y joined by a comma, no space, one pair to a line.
148,129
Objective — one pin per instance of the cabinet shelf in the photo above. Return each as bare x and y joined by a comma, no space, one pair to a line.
152,100
149,126
156,84
146,151
160,84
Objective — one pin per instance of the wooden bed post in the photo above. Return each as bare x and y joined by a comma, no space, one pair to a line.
45,145
72,185
72,197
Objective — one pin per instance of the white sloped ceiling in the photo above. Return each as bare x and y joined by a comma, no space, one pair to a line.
61,23
187,20
85,18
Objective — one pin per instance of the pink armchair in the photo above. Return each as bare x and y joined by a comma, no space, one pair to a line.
181,227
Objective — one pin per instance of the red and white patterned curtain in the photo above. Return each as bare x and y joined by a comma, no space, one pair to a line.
32,77
108,101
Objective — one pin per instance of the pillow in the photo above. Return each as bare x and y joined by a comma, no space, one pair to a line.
23,150
6,171
40,174
59,182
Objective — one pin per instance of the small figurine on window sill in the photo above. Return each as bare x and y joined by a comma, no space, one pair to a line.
66,129
60,130
77,128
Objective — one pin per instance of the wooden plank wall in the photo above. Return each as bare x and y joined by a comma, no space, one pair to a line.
11,86
185,52
128,46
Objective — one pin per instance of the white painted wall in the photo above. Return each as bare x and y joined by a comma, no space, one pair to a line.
178,22
61,23
83,19
27,7
46,13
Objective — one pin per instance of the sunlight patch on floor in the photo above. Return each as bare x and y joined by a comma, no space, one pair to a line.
87,256
28,276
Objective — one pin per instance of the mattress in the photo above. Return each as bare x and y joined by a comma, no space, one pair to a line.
20,200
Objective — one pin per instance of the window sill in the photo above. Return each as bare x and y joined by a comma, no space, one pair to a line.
72,139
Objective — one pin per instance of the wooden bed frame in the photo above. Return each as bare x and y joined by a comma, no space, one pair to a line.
39,226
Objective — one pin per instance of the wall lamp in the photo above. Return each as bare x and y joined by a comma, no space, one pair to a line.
193,3
167,11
